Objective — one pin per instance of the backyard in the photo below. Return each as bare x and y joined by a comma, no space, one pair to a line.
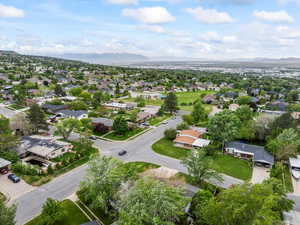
73,215
226,164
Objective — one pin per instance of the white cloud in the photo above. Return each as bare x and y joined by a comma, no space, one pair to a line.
284,2
210,16
274,17
153,28
216,38
149,15
123,2
10,12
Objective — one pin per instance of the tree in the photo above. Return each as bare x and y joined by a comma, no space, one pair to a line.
200,199
59,91
170,134
97,99
285,121
65,127
7,139
102,182
244,100
199,167
199,114
120,125
244,113
247,204
151,202
76,91
224,127
262,126
52,212
285,144
170,103
188,119
37,118
182,126
7,214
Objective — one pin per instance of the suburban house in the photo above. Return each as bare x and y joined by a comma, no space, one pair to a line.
190,139
76,114
4,164
119,106
143,116
255,153
54,108
151,109
44,147
103,121
209,99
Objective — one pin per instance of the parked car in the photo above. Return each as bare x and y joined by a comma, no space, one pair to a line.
3,171
123,152
14,178
295,173
93,138
165,122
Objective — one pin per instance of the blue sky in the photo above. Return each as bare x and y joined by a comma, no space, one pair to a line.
215,29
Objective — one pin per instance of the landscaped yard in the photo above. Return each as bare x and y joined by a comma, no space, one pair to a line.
226,164
157,102
129,134
73,216
166,147
156,120
140,167
68,162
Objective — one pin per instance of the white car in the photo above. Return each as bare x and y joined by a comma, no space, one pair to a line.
295,173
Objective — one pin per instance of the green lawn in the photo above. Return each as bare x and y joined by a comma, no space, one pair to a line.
288,179
157,102
190,97
116,137
73,216
231,166
226,164
166,147
156,120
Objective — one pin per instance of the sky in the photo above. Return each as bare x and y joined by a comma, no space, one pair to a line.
208,29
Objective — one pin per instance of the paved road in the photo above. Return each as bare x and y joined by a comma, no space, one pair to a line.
139,149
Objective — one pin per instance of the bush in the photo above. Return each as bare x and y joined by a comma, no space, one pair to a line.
25,169
170,134
183,126
188,119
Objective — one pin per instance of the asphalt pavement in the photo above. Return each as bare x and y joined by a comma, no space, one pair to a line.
138,149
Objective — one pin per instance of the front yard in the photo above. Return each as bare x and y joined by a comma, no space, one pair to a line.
226,164
73,215
116,137
158,119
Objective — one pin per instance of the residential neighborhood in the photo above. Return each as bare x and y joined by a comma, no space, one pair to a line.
89,139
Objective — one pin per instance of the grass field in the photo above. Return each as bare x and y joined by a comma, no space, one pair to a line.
116,137
156,120
140,167
226,164
73,215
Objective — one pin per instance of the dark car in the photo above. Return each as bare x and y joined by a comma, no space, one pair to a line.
123,152
3,171
93,138
14,178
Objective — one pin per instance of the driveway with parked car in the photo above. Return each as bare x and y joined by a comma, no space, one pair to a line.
13,190
260,174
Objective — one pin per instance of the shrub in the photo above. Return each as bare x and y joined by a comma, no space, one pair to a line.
170,134
183,126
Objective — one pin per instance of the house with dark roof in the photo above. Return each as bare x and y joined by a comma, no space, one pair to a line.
102,121
77,114
255,153
54,108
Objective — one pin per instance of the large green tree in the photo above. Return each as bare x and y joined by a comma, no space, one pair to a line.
52,212
170,103
120,125
151,202
7,214
66,127
102,182
199,113
285,144
200,167
37,118
247,204
224,127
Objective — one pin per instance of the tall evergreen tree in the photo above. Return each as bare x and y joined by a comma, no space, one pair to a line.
170,104
37,118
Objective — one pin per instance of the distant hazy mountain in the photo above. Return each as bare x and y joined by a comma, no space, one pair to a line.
105,58
3,52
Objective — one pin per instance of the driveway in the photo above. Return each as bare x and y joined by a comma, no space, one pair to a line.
12,190
296,185
259,174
